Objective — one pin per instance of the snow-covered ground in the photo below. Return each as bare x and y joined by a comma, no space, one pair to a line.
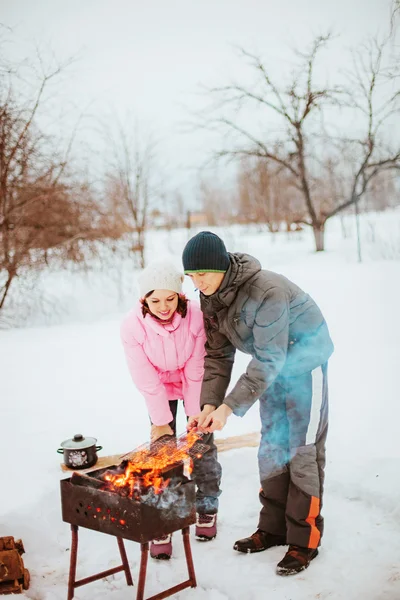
72,377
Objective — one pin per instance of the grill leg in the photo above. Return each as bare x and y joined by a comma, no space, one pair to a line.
72,565
124,558
144,548
189,558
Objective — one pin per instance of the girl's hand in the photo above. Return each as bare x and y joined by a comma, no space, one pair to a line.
192,422
158,431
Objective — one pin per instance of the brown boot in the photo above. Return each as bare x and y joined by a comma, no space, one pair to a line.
295,560
259,541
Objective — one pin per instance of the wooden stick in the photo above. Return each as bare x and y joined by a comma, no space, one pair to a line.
247,440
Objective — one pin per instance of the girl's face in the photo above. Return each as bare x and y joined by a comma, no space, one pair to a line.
207,283
163,304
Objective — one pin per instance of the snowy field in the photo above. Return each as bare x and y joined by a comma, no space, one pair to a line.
71,377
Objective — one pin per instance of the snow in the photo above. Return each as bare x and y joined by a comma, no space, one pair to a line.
71,377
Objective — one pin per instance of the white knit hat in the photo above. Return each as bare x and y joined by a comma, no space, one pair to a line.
160,275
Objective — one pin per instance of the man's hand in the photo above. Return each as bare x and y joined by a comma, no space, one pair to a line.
216,420
198,420
158,431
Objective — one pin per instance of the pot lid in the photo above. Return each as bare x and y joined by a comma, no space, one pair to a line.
78,441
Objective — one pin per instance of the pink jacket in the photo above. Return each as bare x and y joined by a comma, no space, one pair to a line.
166,362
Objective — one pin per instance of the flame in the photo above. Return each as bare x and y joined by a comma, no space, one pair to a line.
145,466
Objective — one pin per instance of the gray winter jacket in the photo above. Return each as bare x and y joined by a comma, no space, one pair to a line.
267,316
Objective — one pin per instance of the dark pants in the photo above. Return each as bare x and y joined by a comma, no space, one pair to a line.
291,457
206,471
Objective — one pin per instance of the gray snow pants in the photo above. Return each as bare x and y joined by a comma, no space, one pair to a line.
291,457
206,471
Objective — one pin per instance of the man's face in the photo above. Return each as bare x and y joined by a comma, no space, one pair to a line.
207,283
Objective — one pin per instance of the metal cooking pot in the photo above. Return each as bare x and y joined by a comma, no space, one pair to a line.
79,452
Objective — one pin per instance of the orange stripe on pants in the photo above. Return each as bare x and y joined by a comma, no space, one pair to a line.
312,515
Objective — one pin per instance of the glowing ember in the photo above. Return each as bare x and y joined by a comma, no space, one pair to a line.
145,467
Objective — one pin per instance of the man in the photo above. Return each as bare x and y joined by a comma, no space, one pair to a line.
267,316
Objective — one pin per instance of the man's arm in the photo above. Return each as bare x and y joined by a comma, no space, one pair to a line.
218,363
271,336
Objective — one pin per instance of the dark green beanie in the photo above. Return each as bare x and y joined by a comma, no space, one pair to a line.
205,252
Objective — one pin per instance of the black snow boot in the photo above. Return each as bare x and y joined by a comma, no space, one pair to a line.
295,560
259,541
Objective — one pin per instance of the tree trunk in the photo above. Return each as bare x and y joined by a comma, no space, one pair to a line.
6,289
142,259
319,237
343,226
357,214
141,241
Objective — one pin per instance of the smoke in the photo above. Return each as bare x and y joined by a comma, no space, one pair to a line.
176,501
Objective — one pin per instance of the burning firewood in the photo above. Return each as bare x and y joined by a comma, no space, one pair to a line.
148,470
153,467
82,479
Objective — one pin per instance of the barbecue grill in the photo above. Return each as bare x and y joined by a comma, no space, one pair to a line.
136,500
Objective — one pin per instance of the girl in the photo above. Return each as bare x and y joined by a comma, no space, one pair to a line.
163,338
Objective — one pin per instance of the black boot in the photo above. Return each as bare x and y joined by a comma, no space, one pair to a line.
259,541
295,560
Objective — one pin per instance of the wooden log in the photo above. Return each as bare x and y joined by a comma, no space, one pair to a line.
12,566
11,587
13,575
86,481
7,543
27,579
247,440
19,546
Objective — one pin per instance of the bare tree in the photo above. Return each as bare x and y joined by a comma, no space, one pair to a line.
266,194
130,184
382,193
298,149
295,106
178,209
215,203
394,15
45,214
254,193
175,210
374,101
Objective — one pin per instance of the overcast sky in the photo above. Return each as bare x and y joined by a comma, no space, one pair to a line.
148,57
